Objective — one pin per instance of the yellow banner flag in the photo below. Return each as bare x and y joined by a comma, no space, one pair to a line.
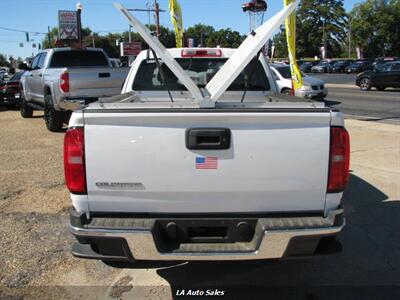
176,19
290,25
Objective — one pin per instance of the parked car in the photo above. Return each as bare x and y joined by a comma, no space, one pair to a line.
383,60
340,66
306,66
312,87
10,93
381,77
61,80
3,75
359,66
322,67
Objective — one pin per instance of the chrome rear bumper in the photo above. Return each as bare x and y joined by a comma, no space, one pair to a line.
272,239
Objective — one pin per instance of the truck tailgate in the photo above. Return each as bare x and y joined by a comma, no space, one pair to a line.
139,162
96,81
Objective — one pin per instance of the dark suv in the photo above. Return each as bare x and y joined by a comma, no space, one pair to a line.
381,77
359,66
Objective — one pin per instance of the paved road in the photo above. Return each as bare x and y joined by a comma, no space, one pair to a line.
344,95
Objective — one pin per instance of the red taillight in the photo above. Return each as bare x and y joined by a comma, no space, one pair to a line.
201,53
339,160
64,82
74,160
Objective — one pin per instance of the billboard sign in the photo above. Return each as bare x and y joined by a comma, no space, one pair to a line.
67,25
131,49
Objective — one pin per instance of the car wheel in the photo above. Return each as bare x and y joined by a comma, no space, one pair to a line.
380,88
286,92
25,110
54,119
365,84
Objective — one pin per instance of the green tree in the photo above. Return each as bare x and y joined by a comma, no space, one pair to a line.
279,41
52,36
313,18
225,38
4,61
108,42
375,27
199,32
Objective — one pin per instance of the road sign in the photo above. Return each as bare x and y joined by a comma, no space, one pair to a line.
131,49
190,42
67,25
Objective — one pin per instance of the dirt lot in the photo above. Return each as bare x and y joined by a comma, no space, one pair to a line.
35,261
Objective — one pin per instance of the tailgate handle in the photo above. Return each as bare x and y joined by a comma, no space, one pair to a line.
208,138
104,75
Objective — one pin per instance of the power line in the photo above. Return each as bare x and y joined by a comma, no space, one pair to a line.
18,30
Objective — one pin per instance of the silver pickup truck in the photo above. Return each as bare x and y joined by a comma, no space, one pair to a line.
61,80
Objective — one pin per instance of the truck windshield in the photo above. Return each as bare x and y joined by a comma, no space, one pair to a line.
201,71
78,58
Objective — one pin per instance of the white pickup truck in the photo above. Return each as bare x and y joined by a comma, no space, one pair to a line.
241,173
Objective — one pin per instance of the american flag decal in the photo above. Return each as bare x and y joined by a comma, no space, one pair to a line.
206,163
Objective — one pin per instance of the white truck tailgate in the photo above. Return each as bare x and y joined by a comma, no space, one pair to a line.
139,162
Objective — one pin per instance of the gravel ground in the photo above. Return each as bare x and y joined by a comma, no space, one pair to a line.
35,259
34,204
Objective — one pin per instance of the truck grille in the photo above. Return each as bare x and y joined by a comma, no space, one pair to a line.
315,87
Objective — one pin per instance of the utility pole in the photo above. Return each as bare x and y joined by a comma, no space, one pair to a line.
156,10
202,39
157,14
48,36
324,40
93,42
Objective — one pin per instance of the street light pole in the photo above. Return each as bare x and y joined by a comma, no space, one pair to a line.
79,12
350,39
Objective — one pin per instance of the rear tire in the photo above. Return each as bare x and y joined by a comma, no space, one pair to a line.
54,119
286,92
26,111
365,84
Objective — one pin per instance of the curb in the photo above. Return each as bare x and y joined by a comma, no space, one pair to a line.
389,121
343,86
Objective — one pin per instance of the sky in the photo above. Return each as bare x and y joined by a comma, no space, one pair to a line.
102,17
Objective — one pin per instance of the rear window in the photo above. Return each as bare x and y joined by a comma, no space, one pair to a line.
201,71
17,76
78,58
285,72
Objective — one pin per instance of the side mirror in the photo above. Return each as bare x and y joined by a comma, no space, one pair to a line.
23,67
